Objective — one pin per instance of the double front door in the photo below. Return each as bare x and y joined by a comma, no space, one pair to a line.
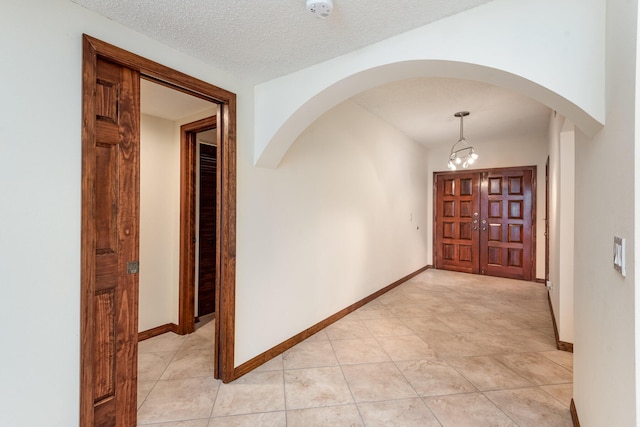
484,222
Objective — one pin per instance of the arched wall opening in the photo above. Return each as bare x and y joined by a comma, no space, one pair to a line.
277,128
335,95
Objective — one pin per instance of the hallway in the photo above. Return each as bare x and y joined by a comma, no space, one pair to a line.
442,349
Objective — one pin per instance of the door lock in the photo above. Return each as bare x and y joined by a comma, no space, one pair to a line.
133,267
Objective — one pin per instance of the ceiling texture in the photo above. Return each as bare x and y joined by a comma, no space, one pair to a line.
260,40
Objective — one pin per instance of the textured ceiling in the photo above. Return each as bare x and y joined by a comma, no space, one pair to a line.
260,40
257,40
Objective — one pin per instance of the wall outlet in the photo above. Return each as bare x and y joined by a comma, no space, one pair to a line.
549,285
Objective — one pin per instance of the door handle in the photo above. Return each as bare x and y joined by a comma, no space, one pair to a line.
475,223
484,225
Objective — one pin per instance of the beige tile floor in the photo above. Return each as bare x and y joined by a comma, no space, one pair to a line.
443,349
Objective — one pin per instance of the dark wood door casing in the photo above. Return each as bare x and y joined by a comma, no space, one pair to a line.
188,249
110,232
503,244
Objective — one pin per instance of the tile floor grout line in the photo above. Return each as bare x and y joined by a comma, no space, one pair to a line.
159,377
554,397
418,396
541,353
355,402
284,392
499,408
213,405
147,395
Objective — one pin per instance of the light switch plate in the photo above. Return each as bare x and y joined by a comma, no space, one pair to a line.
619,255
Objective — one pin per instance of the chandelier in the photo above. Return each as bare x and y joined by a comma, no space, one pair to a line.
462,153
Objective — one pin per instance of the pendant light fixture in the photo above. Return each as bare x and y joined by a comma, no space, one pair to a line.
462,153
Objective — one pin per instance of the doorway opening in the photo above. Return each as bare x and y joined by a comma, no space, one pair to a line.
110,228
163,111
199,241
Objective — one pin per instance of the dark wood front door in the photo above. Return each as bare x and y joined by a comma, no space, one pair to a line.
207,230
457,221
506,224
111,215
484,222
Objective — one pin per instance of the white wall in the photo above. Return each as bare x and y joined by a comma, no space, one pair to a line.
564,315
553,281
519,150
159,222
561,223
40,154
605,314
344,215
636,253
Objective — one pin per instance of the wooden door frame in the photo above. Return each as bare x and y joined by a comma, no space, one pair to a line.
93,48
188,196
534,212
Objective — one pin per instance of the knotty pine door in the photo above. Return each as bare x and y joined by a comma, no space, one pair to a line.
484,222
110,216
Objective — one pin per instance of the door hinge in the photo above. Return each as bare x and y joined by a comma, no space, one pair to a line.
133,267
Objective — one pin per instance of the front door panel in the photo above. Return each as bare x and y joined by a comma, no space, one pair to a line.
506,206
457,222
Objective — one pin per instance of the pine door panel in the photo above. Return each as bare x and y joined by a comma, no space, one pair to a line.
114,220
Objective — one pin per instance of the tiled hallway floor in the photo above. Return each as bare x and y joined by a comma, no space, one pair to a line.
443,349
